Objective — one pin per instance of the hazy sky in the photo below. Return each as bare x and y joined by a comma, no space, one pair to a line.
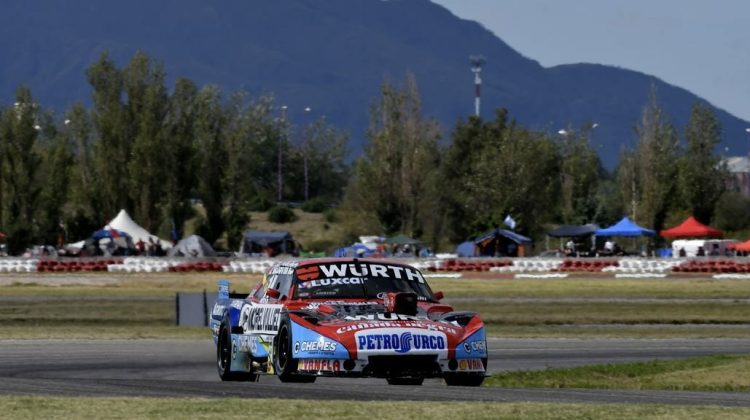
700,45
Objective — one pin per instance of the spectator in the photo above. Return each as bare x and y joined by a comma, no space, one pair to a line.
701,252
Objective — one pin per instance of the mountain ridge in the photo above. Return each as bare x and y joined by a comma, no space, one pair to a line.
331,56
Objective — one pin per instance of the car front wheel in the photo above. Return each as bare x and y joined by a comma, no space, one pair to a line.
283,363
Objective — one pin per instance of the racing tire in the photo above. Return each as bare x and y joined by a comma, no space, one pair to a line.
405,381
224,359
283,364
463,380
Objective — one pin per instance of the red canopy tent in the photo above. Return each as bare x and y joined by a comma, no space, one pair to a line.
691,228
742,246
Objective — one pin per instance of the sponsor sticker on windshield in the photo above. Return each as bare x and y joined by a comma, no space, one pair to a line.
357,270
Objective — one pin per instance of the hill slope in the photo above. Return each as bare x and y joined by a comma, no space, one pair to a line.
330,55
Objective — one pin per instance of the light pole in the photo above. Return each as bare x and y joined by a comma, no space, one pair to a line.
304,153
747,130
477,61
280,178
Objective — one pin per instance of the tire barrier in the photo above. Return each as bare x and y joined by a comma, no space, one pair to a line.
626,267
18,265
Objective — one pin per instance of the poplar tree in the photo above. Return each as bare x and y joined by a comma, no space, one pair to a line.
701,174
655,160
19,161
179,160
83,206
400,156
112,141
210,123
580,172
146,109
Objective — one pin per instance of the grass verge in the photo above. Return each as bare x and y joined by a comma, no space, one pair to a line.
710,373
698,288
177,408
142,306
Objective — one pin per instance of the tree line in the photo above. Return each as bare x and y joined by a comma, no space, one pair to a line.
156,151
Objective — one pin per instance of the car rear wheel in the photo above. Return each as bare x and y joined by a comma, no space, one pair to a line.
283,363
405,381
224,358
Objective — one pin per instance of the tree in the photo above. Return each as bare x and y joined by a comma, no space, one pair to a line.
179,157
146,107
400,156
112,141
508,170
19,160
54,175
701,173
211,157
457,172
241,122
82,207
580,173
655,160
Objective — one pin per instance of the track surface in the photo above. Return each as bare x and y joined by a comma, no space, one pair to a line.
186,368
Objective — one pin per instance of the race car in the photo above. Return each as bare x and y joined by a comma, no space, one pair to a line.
346,318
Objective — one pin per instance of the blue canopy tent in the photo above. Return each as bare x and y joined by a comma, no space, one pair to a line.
625,227
502,242
355,250
109,233
109,242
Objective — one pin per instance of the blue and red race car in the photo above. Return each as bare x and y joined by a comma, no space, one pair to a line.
346,317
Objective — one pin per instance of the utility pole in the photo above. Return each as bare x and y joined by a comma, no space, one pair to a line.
477,61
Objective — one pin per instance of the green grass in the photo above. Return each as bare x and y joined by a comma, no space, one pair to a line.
618,331
696,288
180,408
139,305
566,313
710,373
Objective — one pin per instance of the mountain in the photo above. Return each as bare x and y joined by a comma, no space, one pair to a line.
330,55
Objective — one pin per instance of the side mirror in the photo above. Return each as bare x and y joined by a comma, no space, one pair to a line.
273,293
439,296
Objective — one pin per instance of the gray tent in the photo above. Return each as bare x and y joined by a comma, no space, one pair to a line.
192,246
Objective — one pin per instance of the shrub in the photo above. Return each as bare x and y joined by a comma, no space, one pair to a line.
281,214
316,205
320,245
260,202
330,216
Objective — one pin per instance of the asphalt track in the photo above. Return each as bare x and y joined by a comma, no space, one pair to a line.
179,368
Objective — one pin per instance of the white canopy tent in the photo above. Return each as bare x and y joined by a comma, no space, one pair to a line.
125,223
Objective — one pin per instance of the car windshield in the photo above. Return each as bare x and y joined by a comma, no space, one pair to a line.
358,280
